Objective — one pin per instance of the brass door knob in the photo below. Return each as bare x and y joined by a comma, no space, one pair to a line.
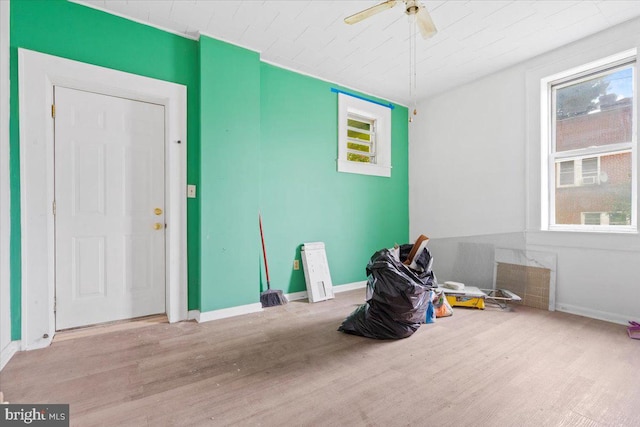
157,211
157,226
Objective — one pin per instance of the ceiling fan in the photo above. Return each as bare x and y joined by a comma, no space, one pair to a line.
412,9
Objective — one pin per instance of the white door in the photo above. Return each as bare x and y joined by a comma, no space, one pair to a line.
109,208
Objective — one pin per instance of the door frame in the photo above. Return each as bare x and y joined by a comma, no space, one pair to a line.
38,74
7,346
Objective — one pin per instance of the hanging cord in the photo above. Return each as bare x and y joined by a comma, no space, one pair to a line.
413,73
412,53
415,64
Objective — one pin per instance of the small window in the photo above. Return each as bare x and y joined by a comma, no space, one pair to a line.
364,137
590,171
361,139
566,173
619,218
605,218
591,218
591,148
578,172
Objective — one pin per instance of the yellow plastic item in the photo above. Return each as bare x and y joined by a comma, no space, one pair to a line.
465,301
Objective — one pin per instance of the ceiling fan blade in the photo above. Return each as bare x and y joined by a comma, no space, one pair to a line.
425,23
357,17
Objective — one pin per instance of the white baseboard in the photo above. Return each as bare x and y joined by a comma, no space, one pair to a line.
8,352
594,314
296,296
207,316
224,312
336,289
349,286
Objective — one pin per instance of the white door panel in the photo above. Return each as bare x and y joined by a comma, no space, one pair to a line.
109,180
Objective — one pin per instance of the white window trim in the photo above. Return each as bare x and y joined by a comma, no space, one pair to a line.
382,115
7,348
38,73
547,201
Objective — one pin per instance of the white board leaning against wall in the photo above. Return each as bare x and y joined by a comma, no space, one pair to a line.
316,272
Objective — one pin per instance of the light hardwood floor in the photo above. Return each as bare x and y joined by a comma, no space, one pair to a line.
288,366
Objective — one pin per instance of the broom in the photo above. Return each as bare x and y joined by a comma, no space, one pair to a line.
270,297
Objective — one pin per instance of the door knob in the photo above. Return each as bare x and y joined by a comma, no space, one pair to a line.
157,226
157,211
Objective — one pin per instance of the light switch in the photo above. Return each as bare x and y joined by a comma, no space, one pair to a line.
191,191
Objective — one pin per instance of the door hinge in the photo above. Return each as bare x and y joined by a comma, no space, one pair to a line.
53,110
55,304
54,207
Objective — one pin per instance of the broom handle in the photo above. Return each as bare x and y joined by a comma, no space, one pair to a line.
264,252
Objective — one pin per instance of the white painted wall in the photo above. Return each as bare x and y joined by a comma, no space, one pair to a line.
5,304
470,259
475,175
466,174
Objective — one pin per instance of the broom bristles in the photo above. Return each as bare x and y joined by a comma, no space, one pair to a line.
272,298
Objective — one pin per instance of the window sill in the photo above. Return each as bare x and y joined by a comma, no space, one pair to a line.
602,240
364,168
594,229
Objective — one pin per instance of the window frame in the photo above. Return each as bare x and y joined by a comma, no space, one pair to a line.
549,179
381,117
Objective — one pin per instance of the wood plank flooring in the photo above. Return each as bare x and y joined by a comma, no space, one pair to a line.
288,366
104,328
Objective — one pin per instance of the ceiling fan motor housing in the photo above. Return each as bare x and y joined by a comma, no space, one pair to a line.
412,7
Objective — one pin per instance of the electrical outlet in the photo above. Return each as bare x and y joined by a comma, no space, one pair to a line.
296,264
191,191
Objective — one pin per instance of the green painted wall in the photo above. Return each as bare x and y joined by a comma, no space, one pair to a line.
270,145
229,164
260,138
65,29
302,196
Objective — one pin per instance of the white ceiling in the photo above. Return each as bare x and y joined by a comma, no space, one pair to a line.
475,38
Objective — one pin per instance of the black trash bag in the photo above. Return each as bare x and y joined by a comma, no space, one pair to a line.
397,296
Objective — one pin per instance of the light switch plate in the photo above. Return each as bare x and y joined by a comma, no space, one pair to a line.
191,191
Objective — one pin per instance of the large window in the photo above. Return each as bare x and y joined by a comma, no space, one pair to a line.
364,137
591,147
